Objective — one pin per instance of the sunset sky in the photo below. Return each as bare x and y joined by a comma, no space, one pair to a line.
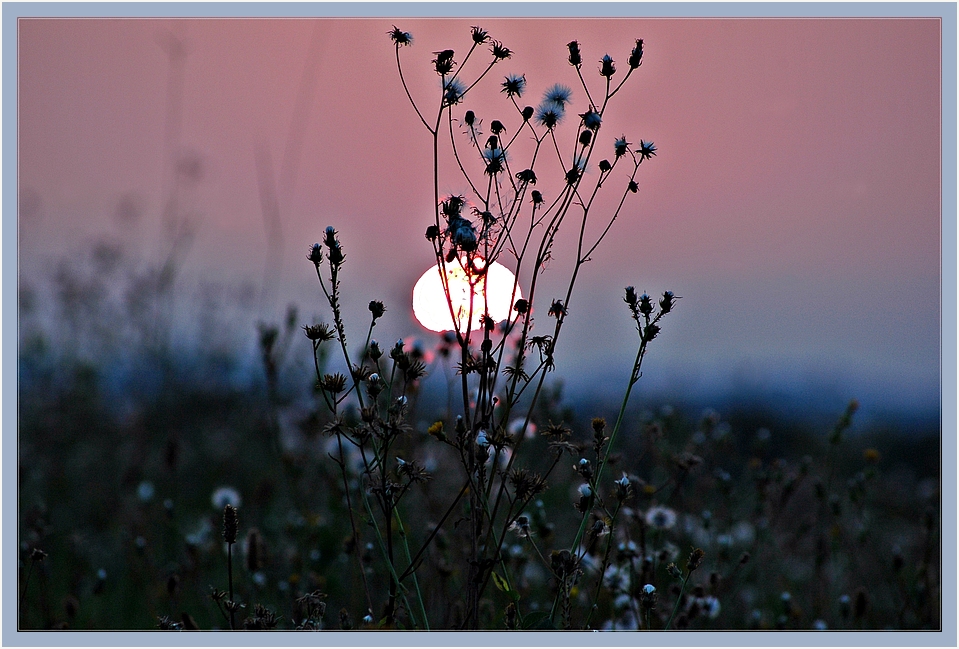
793,204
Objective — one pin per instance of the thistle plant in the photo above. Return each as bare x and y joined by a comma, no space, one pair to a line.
531,174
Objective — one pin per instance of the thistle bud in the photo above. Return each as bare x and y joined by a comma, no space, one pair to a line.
645,304
575,57
528,113
667,301
695,559
636,56
607,67
443,62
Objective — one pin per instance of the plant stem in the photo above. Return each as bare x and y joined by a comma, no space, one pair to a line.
678,600
229,570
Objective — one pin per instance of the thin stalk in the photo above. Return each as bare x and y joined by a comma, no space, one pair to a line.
416,584
229,570
678,600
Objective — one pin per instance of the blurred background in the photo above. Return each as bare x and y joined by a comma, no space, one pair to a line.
793,202
173,174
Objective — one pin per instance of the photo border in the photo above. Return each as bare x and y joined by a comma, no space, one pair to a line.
946,12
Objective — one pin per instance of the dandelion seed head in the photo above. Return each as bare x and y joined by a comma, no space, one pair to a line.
662,518
453,91
558,94
145,491
224,496
514,85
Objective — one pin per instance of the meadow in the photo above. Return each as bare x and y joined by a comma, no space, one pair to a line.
448,484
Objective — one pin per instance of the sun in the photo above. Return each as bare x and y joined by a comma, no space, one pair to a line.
493,288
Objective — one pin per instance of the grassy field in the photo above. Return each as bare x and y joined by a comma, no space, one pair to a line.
121,516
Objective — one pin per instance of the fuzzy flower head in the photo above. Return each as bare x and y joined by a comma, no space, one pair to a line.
646,150
225,496
521,527
558,94
550,113
453,91
620,146
591,119
400,37
514,85
495,160
145,491
661,518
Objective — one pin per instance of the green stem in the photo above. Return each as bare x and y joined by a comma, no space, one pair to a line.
229,570
678,600
416,584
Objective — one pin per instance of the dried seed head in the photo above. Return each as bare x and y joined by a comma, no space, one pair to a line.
636,56
607,67
575,56
674,571
695,559
231,524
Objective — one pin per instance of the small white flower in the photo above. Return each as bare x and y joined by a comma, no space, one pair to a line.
622,602
481,439
516,427
585,491
711,607
225,496
649,589
145,491
662,518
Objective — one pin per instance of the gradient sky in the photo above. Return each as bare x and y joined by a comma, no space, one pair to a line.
794,203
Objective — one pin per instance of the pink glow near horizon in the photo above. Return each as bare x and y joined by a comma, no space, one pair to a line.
794,202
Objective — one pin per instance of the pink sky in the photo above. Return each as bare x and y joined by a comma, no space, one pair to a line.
793,203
